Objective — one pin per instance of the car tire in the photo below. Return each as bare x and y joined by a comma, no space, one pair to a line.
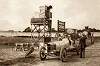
42,54
63,54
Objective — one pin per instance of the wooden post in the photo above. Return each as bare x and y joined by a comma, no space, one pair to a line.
31,36
57,29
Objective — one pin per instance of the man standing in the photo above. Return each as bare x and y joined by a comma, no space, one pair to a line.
82,43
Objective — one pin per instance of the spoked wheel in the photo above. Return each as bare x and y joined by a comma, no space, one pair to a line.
63,54
42,53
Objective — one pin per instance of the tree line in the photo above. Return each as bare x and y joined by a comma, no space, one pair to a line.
28,29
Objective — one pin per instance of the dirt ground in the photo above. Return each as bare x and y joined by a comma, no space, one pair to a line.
10,57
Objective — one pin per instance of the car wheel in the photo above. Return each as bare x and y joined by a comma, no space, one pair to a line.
42,55
63,54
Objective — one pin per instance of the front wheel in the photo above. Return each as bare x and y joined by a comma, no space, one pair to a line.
42,55
63,54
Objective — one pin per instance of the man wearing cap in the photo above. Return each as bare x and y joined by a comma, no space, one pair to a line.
82,43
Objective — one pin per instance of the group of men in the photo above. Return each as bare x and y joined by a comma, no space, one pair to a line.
82,42
72,38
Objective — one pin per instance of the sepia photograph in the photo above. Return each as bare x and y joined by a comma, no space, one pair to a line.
49,32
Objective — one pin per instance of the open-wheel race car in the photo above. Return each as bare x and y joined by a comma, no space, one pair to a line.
61,48
58,48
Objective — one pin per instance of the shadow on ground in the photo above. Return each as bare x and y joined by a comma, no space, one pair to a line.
71,58
30,60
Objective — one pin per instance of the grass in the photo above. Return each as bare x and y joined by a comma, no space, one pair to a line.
13,40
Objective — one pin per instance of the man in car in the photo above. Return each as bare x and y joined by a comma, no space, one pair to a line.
59,37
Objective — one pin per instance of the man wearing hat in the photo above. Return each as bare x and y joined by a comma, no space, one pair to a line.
82,43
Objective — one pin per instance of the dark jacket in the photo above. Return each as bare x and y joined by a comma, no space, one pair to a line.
82,42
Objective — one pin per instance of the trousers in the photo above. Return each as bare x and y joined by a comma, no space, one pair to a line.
82,52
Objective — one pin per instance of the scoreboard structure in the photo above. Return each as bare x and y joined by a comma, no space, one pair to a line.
41,25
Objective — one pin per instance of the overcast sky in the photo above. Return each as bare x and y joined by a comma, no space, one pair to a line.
16,14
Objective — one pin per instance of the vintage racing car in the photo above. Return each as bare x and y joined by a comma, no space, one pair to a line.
58,48
61,48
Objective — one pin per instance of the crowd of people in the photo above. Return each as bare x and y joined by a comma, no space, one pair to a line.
72,38
76,37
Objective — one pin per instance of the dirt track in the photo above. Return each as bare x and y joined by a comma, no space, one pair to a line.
10,57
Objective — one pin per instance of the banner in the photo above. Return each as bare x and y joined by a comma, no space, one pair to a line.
37,20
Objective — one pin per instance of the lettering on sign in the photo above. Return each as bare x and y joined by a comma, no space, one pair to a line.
61,26
42,11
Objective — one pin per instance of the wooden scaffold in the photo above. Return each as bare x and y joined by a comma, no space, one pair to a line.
40,27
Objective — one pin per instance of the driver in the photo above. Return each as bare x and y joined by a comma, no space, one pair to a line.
59,37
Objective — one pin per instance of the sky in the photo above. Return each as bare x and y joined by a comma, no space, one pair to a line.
16,14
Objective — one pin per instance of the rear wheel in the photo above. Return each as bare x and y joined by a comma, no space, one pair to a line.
42,55
63,54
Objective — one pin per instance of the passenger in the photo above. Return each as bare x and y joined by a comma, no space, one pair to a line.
59,37
69,38
74,37
65,38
